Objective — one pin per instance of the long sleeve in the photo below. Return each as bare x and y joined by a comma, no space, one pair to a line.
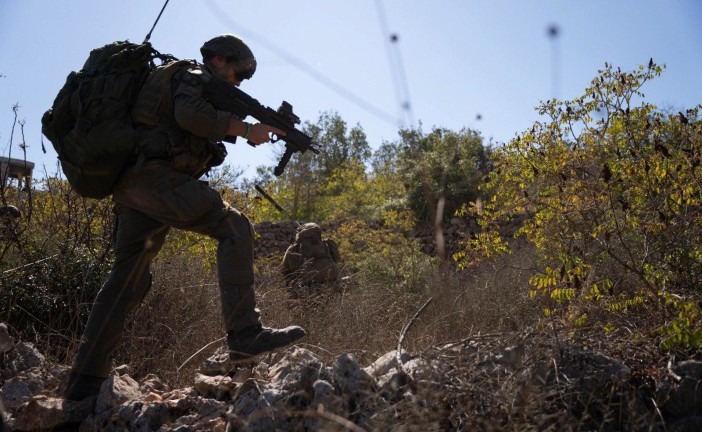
193,113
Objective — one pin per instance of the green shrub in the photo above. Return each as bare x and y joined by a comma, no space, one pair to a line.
611,189
384,254
54,264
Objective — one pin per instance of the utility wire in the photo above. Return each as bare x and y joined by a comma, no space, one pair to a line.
396,66
407,106
553,33
382,19
302,66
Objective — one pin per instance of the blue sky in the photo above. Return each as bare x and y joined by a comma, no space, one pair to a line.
460,59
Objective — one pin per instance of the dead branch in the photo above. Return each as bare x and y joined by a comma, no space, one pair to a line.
405,329
198,352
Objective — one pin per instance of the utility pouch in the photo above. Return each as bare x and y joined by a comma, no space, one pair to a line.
218,152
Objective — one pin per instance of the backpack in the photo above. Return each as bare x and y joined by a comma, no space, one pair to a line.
311,259
89,123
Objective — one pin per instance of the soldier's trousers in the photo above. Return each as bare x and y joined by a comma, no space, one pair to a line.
150,200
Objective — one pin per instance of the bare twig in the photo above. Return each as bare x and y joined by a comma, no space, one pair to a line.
476,337
56,332
317,347
558,380
405,329
658,411
439,230
27,265
321,412
675,376
199,351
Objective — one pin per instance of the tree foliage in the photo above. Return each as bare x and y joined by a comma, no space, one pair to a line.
611,190
338,143
55,259
441,165
332,185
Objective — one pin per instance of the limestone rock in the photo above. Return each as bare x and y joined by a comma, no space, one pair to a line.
6,341
117,390
683,397
23,356
21,388
217,387
219,364
690,369
44,412
386,363
593,370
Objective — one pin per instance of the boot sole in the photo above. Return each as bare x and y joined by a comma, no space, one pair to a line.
237,356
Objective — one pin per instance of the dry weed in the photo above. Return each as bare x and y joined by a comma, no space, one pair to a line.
357,315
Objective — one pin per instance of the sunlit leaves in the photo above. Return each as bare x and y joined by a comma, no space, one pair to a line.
610,189
440,164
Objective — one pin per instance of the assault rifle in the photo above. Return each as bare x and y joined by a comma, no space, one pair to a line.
228,97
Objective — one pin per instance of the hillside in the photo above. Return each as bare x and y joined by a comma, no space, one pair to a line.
548,283
519,381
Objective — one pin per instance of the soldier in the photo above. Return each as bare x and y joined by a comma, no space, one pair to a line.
162,192
310,259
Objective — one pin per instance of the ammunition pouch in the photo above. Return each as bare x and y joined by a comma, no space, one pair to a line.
155,144
218,152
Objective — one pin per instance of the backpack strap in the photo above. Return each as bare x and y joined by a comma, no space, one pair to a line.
156,97
154,103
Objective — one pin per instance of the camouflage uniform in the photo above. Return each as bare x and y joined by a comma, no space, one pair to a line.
310,259
161,192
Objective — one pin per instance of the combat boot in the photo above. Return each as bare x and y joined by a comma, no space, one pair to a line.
255,340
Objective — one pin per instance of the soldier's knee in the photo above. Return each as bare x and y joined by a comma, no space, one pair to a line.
239,228
237,236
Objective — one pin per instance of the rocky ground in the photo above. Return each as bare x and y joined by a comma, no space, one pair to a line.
484,382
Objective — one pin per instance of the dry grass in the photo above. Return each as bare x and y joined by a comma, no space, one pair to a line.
474,316
179,316
357,315
483,311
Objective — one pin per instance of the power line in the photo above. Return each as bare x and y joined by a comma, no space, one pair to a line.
407,106
304,67
382,19
396,66
553,33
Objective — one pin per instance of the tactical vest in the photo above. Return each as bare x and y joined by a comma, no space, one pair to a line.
163,137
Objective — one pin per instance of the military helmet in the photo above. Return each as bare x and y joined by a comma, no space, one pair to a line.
235,50
308,230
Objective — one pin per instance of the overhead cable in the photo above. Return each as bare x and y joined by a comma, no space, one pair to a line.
397,69
302,66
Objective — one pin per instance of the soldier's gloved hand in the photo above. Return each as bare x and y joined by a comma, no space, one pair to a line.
260,133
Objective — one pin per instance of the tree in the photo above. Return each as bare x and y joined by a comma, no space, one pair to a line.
440,166
385,158
338,143
308,183
612,194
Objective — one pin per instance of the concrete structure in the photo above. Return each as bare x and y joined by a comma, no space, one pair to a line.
18,169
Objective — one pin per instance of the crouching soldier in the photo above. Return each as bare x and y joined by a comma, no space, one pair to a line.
310,260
